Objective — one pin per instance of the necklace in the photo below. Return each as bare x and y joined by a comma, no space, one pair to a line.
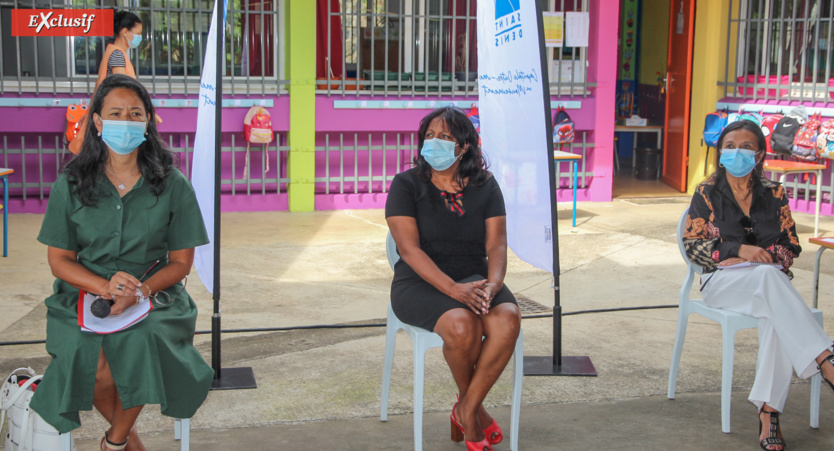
121,183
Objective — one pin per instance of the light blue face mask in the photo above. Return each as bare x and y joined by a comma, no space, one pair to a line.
738,162
123,137
137,39
439,153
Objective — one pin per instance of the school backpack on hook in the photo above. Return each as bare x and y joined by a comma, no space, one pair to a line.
475,117
781,140
768,126
825,139
74,114
805,143
257,129
714,124
563,127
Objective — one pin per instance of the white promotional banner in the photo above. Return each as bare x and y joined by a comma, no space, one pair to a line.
513,123
202,170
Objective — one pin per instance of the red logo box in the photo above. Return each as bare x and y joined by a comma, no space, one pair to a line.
62,22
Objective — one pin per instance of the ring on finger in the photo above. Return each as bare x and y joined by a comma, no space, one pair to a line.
120,287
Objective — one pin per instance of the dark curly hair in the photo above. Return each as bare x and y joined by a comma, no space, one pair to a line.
86,170
721,173
472,165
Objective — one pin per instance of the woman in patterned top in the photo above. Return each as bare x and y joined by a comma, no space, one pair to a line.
737,216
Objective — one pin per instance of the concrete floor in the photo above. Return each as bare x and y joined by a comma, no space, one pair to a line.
320,389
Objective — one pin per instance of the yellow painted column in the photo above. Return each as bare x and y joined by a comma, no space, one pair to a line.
708,66
301,60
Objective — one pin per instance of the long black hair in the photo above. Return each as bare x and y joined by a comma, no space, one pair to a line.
721,173
86,170
472,165
122,20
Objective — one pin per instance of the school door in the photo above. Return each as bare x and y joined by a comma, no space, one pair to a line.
678,90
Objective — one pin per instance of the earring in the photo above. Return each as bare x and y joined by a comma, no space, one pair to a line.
146,134
98,134
719,164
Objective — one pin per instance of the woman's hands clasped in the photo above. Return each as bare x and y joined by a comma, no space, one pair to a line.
477,295
748,253
121,288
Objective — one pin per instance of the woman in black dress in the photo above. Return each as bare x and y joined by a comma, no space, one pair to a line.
447,217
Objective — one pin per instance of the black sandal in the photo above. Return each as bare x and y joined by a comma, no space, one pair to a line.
106,444
830,360
772,439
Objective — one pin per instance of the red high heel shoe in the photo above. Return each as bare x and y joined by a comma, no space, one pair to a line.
458,435
493,433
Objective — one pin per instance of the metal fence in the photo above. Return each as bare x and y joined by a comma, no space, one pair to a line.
420,48
169,59
780,49
38,158
354,163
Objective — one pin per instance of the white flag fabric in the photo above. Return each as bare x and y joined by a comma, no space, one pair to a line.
513,123
202,170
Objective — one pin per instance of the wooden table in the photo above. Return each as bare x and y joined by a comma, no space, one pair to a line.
785,167
4,173
561,155
656,129
823,243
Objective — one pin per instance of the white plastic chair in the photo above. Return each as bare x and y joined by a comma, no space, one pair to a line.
424,340
731,323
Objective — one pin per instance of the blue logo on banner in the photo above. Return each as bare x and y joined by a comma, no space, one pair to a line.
507,21
506,7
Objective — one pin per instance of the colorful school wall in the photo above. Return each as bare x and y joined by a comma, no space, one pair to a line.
308,126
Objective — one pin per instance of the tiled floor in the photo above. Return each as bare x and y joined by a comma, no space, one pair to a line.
626,185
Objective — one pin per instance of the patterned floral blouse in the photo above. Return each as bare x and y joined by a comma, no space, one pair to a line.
717,227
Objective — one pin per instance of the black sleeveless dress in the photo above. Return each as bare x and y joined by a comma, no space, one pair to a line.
452,229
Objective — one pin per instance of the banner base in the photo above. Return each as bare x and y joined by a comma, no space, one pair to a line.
234,379
571,366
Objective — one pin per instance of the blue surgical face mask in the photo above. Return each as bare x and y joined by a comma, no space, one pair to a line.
137,39
738,162
123,137
439,153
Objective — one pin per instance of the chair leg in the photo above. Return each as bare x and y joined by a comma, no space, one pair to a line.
727,376
185,434
66,441
680,334
387,367
815,400
518,376
419,382
815,385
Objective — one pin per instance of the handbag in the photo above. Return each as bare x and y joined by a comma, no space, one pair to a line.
27,430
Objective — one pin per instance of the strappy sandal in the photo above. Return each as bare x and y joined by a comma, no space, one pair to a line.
771,439
830,360
106,444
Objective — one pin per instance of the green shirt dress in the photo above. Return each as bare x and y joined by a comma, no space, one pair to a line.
153,361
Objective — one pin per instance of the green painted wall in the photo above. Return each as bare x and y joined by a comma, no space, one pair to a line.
654,40
301,44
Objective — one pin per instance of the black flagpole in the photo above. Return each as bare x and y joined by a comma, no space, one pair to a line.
224,378
557,365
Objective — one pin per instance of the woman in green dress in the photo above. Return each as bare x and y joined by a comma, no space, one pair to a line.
118,208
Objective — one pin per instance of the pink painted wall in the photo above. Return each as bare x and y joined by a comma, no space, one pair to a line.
595,119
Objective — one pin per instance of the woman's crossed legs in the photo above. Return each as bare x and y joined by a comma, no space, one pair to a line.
477,364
